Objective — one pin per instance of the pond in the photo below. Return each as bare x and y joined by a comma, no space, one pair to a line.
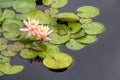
97,61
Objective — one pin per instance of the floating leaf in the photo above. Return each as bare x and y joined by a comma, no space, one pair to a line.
8,69
6,3
24,6
51,49
8,53
87,39
37,14
18,22
8,13
52,11
52,21
17,46
0,12
28,54
74,27
3,41
56,39
59,3
79,34
21,16
4,59
1,74
58,61
47,2
85,21
11,31
93,28
74,45
67,17
3,47
88,11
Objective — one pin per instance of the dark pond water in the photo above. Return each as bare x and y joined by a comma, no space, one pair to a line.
98,61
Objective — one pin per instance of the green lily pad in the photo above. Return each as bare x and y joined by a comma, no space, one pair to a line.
4,59
39,15
51,49
93,28
56,39
52,21
11,31
47,2
59,3
8,53
3,41
79,34
88,11
24,6
6,3
8,69
58,61
87,39
74,27
0,12
74,45
8,13
28,54
3,47
67,17
51,12
85,21
16,21
15,47
20,16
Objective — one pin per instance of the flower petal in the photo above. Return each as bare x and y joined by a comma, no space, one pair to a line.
24,29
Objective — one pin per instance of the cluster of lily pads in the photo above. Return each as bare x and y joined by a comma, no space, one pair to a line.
74,30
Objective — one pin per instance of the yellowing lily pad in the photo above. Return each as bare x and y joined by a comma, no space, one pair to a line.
59,3
67,17
8,53
39,15
58,61
28,54
56,39
93,28
74,45
88,11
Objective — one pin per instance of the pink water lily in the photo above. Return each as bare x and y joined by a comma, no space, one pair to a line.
32,25
43,32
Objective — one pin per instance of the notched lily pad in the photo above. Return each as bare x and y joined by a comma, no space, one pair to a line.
93,28
59,3
88,11
56,39
74,45
87,39
28,54
67,17
39,15
58,61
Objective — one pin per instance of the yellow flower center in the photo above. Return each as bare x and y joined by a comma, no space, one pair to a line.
42,30
32,23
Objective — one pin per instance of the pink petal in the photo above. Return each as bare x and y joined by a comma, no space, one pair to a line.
24,29
50,32
47,38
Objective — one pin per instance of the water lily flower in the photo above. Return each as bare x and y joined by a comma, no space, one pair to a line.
32,25
43,32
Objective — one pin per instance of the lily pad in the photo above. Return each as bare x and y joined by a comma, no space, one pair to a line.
21,16
59,3
51,49
16,21
8,13
87,39
6,3
58,61
74,27
4,59
85,21
52,11
67,17
88,11
24,6
93,28
11,31
15,47
3,41
28,54
39,15
1,74
74,45
79,34
8,53
47,2
56,39
3,47
8,69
